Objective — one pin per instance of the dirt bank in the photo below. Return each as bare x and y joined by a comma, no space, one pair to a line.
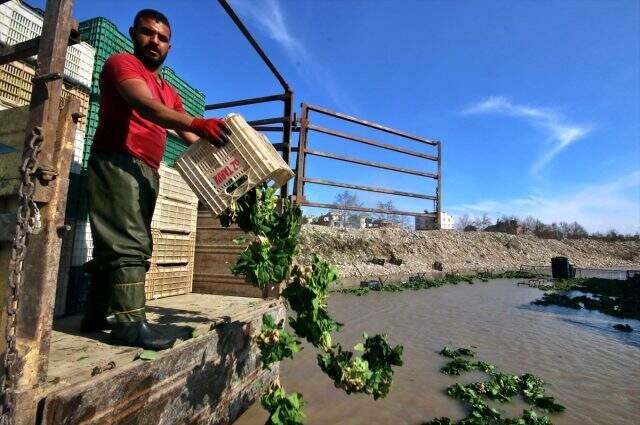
351,249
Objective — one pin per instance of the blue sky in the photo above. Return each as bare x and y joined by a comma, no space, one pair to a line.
537,103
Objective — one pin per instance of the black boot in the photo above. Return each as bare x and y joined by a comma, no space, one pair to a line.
94,319
139,334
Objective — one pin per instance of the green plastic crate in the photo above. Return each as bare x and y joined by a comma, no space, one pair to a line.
77,198
175,147
192,99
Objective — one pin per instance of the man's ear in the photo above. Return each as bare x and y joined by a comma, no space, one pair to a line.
131,32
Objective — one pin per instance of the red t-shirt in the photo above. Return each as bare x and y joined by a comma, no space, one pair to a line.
120,128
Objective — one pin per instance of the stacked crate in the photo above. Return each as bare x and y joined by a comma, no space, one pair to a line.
171,270
20,22
174,237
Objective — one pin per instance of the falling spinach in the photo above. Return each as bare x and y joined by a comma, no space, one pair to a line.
268,260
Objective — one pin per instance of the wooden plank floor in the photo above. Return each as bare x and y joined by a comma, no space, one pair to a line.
75,355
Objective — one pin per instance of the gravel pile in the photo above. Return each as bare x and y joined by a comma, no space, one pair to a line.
352,250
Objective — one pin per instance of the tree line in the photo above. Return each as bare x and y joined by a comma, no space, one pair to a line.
534,226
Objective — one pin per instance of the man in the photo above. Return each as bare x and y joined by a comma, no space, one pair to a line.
136,108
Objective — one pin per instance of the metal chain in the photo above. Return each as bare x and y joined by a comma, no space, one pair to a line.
28,223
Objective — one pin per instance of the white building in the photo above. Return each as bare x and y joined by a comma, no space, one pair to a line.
445,222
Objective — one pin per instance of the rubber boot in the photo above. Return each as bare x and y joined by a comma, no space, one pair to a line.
139,334
95,316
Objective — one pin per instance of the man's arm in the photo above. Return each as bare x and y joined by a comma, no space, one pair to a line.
188,136
137,94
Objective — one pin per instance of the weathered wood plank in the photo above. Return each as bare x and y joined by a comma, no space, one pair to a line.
210,379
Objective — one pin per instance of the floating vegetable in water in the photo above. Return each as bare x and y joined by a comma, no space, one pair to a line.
501,387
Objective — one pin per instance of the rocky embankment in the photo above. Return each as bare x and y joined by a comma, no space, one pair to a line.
352,250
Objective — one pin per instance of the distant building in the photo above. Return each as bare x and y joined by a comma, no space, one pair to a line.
330,219
446,222
357,221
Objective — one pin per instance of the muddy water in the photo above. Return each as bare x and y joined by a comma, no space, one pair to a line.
591,369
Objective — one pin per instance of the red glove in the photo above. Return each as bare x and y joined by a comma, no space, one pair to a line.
213,129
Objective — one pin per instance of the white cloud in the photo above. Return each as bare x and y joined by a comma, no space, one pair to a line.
598,207
271,20
560,132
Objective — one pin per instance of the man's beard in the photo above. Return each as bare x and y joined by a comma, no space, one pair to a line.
149,62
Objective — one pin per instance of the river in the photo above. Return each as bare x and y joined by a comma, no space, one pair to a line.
589,367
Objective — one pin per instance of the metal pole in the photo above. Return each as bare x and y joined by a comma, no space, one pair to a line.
439,189
302,151
34,315
286,135
253,43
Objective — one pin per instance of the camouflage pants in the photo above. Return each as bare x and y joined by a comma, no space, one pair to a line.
122,197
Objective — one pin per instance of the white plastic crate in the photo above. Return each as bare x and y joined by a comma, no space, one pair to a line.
83,98
78,151
174,216
172,186
221,175
82,244
15,83
168,280
16,87
172,248
19,22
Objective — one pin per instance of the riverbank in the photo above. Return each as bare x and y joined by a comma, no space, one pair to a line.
351,251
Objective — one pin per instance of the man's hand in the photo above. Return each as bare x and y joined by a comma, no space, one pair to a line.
213,129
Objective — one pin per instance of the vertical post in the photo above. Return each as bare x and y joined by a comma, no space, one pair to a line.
302,147
286,135
37,293
439,188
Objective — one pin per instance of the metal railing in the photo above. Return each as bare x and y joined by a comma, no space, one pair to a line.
303,152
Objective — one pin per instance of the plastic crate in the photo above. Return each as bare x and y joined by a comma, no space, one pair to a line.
168,280
77,290
16,88
221,175
192,99
82,244
20,22
174,216
105,37
77,198
15,83
172,248
78,151
172,186
173,149
82,95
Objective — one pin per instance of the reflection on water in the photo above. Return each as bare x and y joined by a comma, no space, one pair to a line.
592,369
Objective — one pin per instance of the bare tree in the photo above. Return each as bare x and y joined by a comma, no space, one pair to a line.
394,218
464,221
346,198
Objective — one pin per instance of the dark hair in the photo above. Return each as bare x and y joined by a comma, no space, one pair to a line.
153,14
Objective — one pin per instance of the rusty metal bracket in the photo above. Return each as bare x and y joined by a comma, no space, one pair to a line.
46,174
46,78
99,369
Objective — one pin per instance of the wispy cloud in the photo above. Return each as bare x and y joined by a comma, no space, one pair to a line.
598,207
560,131
272,21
